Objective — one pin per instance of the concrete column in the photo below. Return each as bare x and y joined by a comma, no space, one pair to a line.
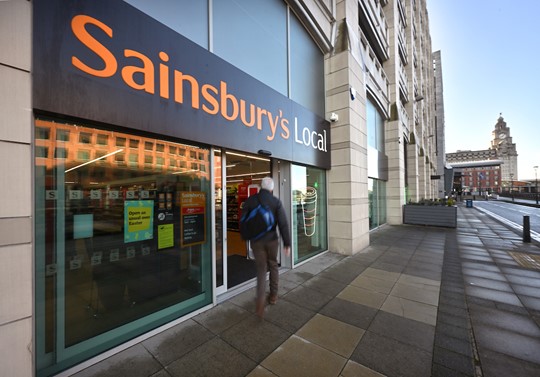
16,196
348,212
412,172
422,184
395,193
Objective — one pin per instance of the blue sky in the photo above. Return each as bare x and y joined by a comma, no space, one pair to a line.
491,64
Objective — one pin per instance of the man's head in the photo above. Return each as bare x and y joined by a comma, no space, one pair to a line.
267,184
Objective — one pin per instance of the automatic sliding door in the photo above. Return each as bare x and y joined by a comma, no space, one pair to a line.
243,177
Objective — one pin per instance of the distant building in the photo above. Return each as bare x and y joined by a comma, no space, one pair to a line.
478,177
502,153
506,150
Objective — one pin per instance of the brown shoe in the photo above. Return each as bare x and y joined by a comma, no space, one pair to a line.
272,299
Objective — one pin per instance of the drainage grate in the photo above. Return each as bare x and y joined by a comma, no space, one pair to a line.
526,260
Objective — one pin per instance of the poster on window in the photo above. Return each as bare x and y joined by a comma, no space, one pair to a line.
193,218
138,220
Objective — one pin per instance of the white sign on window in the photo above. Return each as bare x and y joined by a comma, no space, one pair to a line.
51,194
96,258
75,194
114,194
95,194
115,255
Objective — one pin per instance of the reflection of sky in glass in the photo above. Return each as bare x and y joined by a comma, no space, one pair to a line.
309,212
186,17
299,179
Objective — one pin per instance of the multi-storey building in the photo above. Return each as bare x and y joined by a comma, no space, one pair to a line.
134,132
477,178
502,149
506,150
443,186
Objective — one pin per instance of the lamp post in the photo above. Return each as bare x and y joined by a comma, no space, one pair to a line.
512,186
536,183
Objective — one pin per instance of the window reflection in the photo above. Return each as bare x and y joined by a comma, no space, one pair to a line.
377,202
117,238
309,212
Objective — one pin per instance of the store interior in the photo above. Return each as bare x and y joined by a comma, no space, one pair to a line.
244,175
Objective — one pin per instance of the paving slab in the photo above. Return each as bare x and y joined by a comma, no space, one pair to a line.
418,301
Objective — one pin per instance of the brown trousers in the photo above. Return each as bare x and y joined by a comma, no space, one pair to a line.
266,260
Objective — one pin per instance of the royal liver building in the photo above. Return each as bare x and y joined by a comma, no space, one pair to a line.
502,149
501,142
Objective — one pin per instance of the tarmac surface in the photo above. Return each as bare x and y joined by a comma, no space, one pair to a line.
419,301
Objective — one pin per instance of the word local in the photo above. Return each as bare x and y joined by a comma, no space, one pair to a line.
310,138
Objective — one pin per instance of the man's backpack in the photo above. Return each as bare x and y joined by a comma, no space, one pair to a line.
256,223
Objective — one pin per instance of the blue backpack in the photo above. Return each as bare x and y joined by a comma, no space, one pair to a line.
256,223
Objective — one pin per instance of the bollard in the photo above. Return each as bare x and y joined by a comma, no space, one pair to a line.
526,229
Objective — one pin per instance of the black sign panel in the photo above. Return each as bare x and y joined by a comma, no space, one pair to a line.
193,229
106,61
193,218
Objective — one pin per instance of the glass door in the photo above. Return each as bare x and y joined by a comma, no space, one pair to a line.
237,176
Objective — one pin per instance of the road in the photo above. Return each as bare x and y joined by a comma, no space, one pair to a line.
512,214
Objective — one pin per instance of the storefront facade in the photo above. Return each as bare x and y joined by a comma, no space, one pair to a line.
134,131
145,146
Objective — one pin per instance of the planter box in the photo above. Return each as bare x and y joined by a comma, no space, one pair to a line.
430,215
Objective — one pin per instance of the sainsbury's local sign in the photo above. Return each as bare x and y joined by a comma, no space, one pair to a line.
106,61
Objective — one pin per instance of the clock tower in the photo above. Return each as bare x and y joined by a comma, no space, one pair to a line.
506,150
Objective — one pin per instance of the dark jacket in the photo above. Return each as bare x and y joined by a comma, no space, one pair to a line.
266,198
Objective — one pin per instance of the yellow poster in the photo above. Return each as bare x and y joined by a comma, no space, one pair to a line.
138,220
165,236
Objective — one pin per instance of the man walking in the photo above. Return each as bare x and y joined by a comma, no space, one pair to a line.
266,247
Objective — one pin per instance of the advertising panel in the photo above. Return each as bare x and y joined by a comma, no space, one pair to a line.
193,218
138,220
108,62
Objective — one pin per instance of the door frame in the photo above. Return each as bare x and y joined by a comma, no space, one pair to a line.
280,172
219,290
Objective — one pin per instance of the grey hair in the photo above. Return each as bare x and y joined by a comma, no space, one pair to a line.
267,183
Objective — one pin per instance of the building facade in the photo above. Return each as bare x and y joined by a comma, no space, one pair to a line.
135,131
477,178
501,141
502,150
442,186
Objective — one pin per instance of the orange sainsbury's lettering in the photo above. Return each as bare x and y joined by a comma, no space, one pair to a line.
206,89
179,79
225,98
243,113
78,25
148,75
147,71
164,76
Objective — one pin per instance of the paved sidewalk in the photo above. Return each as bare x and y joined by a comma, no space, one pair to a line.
419,301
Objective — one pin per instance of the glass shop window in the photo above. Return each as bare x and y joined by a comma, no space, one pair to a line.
309,217
120,249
